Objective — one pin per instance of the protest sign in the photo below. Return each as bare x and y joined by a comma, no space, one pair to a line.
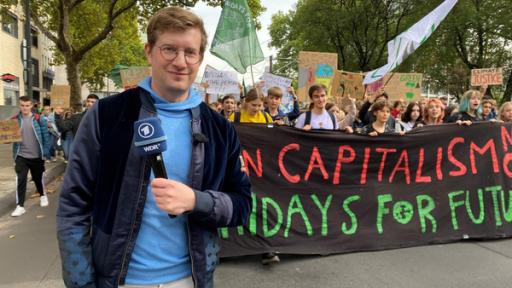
221,82
133,75
374,87
200,90
271,80
329,192
491,76
315,68
9,131
60,96
347,84
406,86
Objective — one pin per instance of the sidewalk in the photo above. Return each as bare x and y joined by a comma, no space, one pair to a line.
30,259
8,178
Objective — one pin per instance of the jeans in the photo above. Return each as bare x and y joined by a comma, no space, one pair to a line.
66,143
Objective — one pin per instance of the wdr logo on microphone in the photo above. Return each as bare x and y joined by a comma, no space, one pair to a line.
146,130
151,148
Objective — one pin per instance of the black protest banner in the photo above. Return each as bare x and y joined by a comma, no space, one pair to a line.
327,192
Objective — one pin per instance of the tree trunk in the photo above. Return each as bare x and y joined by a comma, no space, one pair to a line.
507,96
74,83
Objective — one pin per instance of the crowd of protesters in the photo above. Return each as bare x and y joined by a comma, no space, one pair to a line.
374,115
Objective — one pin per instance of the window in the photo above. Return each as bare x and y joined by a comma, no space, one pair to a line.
11,97
47,83
35,72
34,35
10,24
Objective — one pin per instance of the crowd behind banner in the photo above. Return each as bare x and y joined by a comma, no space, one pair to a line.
374,115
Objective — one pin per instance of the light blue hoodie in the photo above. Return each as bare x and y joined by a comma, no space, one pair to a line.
161,252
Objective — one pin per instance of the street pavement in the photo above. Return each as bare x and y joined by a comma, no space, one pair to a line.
29,258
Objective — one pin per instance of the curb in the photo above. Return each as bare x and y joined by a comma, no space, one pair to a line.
7,203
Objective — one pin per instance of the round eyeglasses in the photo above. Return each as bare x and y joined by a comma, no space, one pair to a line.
170,53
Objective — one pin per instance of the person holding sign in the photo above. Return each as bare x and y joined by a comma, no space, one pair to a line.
153,174
274,97
318,117
252,110
29,154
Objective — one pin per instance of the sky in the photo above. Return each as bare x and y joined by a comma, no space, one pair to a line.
211,15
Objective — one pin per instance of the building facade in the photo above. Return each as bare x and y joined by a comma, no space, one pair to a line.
12,85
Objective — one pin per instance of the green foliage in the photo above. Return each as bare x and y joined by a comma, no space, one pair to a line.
76,26
476,34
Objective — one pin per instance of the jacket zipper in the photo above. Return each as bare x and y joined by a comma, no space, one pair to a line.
123,263
191,255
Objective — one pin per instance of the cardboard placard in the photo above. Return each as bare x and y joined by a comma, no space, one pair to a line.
491,76
406,86
60,96
372,88
133,75
221,82
315,68
9,131
272,80
347,84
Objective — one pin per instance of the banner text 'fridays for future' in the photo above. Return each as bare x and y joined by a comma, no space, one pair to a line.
327,192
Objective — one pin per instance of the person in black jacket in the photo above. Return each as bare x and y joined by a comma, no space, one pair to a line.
120,225
72,123
469,109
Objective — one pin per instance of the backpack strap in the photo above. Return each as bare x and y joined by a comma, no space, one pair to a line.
333,119
307,121
265,114
237,117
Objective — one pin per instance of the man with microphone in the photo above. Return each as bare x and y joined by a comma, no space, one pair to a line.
153,174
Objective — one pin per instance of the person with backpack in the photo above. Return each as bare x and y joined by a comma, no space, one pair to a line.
318,117
274,97
29,154
252,110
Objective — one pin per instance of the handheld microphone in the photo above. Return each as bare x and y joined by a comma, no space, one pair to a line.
150,141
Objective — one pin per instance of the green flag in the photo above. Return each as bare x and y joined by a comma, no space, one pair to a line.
235,40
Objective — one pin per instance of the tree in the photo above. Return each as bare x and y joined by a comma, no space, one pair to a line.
58,20
476,34
358,30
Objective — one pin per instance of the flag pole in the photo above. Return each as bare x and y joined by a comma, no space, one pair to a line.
250,62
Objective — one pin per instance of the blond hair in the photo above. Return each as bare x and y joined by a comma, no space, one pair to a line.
502,108
175,19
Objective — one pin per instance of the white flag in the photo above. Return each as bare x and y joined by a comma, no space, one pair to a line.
407,42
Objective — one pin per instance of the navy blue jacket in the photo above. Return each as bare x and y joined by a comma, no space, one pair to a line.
105,185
